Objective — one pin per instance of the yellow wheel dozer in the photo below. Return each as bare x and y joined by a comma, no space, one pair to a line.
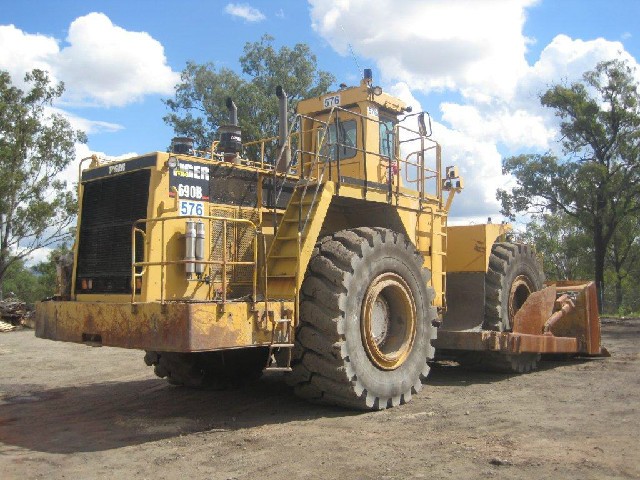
323,254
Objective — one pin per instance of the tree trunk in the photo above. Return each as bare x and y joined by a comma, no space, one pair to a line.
600,250
618,293
3,271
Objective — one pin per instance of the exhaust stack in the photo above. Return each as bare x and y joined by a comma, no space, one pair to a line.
284,150
233,112
231,135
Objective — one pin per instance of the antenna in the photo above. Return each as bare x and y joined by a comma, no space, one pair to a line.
355,59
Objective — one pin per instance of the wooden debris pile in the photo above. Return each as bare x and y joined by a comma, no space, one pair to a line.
13,312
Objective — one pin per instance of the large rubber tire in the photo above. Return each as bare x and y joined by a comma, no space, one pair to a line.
342,359
209,369
514,273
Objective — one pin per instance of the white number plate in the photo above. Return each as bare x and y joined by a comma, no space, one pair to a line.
189,207
332,101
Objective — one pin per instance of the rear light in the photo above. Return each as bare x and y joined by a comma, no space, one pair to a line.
86,284
138,284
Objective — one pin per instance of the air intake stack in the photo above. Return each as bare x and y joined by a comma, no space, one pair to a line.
182,145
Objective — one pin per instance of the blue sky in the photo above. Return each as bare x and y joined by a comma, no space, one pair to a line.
477,66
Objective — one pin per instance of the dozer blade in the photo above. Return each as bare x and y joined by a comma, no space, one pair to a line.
563,310
560,318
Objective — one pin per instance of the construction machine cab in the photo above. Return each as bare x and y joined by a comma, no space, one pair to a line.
355,129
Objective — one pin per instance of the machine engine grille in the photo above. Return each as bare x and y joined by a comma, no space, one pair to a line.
109,208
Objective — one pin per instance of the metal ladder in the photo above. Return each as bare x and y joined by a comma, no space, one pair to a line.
305,207
285,342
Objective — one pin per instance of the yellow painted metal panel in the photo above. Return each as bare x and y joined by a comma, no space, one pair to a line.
469,246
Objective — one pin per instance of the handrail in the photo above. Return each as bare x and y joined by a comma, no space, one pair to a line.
163,262
262,142
396,166
319,178
294,159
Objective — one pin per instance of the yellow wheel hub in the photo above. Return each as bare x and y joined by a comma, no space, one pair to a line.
388,321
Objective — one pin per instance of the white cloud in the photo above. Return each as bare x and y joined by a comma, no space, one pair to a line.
21,52
86,125
112,65
244,11
515,128
566,59
38,256
471,46
101,62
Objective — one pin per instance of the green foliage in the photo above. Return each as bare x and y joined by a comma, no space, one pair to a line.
622,261
25,283
597,183
198,108
35,283
564,246
36,145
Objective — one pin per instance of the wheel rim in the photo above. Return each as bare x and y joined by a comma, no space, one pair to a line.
388,321
521,288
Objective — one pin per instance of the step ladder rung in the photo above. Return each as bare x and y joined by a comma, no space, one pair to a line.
288,237
303,203
282,345
283,256
302,182
277,369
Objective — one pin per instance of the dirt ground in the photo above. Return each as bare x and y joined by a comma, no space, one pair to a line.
72,411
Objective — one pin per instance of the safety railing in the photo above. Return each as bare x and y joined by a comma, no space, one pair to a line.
271,143
296,164
139,268
419,170
416,169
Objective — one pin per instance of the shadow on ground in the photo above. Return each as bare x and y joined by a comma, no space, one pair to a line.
109,415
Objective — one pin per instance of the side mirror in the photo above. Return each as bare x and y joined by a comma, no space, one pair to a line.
422,128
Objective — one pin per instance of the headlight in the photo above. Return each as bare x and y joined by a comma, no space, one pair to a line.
172,162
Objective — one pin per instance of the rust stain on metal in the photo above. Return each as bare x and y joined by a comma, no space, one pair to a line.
565,306
523,343
533,314
574,326
179,327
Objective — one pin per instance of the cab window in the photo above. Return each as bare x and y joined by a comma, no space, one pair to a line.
387,137
341,140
